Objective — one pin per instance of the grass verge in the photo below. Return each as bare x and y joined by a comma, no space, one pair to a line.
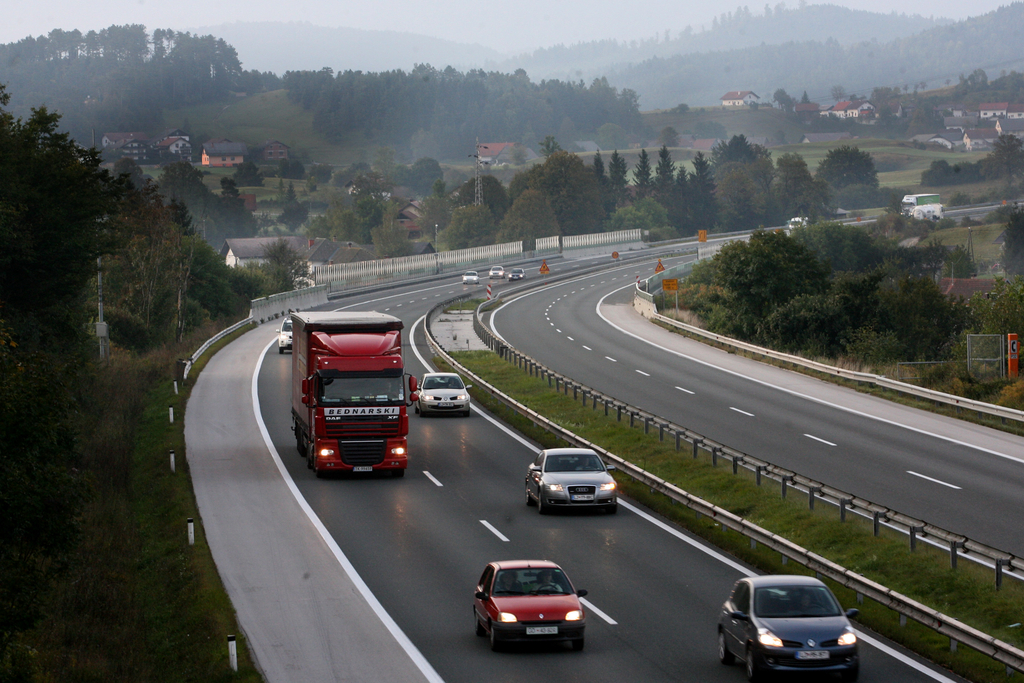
139,603
967,593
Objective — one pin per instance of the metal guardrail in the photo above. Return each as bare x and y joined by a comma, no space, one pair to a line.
956,631
210,342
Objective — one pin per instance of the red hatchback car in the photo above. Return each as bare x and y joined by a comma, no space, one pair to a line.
528,601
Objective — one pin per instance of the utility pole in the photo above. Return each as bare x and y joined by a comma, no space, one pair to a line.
101,327
478,198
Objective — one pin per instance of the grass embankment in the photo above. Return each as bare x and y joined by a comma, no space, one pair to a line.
967,594
139,604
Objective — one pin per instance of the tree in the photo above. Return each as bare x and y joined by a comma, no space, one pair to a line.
1013,243
421,176
846,165
617,178
127,166
797,191
612,136
1007,158
247,174
437,214
471,226
549,146
669,137
287,268
570,188
390,238
783,99
642,180
384,163
530,217
495,196
838,93
701,197
737,150
643,214
1002,309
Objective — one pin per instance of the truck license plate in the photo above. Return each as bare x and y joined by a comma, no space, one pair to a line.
582,496
541,630
362,468
812,654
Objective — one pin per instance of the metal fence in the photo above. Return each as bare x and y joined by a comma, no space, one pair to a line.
957,632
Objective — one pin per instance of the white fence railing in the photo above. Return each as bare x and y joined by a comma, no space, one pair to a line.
276,305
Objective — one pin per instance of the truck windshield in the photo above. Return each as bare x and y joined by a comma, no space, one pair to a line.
361,389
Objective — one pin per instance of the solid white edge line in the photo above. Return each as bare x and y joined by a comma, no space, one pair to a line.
791,392
399,635
741,411
686,391
811,436
899,656
937,481
493,530
590,606
432,478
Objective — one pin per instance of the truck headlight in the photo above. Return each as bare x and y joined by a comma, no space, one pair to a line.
325,452
398,450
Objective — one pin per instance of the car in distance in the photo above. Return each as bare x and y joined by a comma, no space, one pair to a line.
497,273
470,277
787,623
516,274
442,392
284,336
528,601
570,478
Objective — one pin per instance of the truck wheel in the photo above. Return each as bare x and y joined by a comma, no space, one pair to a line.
309,458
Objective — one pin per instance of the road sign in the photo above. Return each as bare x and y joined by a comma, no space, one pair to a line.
1014,354
615,254
702,235
659,268
670,284
544,270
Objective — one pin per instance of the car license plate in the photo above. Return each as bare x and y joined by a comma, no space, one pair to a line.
583,496
445,404
541,630
812,654
362,468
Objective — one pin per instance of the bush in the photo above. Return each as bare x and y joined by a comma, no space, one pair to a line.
1012,396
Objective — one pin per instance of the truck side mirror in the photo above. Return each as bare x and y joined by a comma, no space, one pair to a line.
305,388
305,399
413,385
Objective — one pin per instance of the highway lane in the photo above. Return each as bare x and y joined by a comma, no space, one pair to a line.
906,469
420,547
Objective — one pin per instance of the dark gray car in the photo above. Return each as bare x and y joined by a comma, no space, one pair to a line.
570,478
787,623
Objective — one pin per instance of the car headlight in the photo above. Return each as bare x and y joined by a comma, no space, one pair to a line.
554,487
766,637
574,615
460,397
610,486
848,638
507,617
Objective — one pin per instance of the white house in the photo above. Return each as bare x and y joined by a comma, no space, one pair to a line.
740,98
992,110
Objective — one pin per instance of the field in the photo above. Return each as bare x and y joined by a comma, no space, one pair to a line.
983,238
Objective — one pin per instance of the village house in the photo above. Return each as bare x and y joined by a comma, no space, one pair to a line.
224,153
806,111
173,148
979,139
1015,110
992,110
1010,127
501,153
272,150
740,98
113,139
851,109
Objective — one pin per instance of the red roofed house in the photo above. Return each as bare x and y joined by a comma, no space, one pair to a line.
807,110
851,109
273,150
1015,110
976,139
992,110
174,147
965,287
112,139
740,98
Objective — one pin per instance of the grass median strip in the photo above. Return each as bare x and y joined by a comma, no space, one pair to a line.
967,593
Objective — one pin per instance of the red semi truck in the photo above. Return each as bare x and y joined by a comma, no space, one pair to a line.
349,392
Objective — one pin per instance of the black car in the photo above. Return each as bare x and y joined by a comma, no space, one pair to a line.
787,623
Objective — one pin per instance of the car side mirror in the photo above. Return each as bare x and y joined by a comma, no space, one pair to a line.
279,330
468,387
610,468
480,595
535,468
739,616
852,613
581,592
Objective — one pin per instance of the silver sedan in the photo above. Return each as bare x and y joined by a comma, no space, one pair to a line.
442,392
570,478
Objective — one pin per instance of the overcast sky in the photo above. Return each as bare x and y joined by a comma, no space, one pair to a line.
506,25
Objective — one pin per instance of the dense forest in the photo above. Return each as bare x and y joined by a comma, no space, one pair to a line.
438,113
120,78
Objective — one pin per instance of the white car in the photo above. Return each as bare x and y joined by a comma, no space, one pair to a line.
497,273
442,392
284,336
470,277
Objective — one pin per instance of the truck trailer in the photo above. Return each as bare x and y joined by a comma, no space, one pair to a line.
350,393
922,206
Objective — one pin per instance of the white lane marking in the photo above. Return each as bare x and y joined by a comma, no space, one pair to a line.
742,412
432,478
644,373
686,391
937,481
791,392
587,348
399,635
590,606
493,530
611,359
811,436
558,330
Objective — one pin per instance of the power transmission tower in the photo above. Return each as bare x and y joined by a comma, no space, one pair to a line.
478,198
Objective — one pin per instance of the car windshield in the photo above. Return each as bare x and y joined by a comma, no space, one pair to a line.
471,273
286,326
794,602
543,581
361,389
575,462
453,382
